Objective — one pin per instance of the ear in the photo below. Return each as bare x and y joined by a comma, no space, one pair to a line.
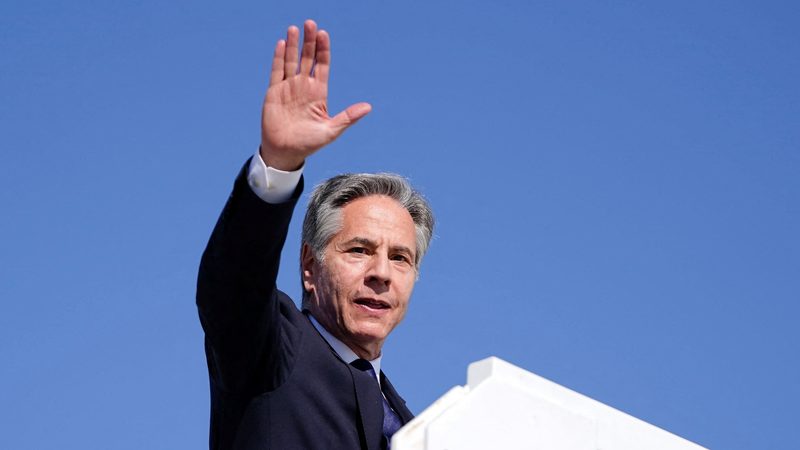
308,263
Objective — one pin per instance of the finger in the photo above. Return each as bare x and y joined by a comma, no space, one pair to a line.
276,76
309,47
290,60
323,65
349,116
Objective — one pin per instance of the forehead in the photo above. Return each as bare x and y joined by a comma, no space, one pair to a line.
377,217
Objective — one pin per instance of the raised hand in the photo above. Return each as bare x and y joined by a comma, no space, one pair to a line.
295,121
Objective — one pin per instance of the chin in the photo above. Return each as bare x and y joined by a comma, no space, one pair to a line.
370,332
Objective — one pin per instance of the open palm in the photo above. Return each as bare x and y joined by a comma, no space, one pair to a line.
295,121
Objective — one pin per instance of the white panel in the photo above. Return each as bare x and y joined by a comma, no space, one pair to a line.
512,422
506,407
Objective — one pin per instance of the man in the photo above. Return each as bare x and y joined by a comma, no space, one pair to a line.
281,378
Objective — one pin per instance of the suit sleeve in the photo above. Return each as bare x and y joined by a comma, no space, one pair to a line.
237,298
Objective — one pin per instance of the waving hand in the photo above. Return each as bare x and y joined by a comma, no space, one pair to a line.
295,121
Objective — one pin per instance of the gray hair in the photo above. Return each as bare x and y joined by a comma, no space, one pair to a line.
324,213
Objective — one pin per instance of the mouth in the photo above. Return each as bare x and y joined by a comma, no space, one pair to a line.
372,303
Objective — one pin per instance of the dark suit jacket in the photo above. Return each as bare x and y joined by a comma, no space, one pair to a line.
275,382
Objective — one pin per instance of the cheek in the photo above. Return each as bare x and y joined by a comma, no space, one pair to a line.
349,278
328,291
405,295
407,287
339,287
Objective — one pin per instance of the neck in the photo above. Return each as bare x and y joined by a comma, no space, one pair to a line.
366,352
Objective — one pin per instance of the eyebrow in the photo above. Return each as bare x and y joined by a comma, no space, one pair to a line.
370,243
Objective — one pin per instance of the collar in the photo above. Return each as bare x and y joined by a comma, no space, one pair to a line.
341,349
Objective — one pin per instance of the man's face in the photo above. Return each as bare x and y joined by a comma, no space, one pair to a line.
360,291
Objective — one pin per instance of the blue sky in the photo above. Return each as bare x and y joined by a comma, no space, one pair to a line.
616,187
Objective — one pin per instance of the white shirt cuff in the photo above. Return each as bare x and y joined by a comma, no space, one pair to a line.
270,184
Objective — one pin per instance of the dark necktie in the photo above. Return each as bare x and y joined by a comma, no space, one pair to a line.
391,421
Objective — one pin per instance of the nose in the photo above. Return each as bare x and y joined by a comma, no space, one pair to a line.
378,273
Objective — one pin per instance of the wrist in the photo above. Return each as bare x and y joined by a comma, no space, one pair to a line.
287,163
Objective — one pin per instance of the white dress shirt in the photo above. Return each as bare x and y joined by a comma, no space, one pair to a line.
270,184
344,352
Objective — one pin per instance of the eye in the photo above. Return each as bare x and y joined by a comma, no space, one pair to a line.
401,258
359,250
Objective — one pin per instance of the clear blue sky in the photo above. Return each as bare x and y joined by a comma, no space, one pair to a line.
616,186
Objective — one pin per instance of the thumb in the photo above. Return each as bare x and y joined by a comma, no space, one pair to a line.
349,116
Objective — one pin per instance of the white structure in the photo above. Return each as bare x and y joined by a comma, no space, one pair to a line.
505,407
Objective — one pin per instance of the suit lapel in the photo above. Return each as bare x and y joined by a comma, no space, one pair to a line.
395,401
370,407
